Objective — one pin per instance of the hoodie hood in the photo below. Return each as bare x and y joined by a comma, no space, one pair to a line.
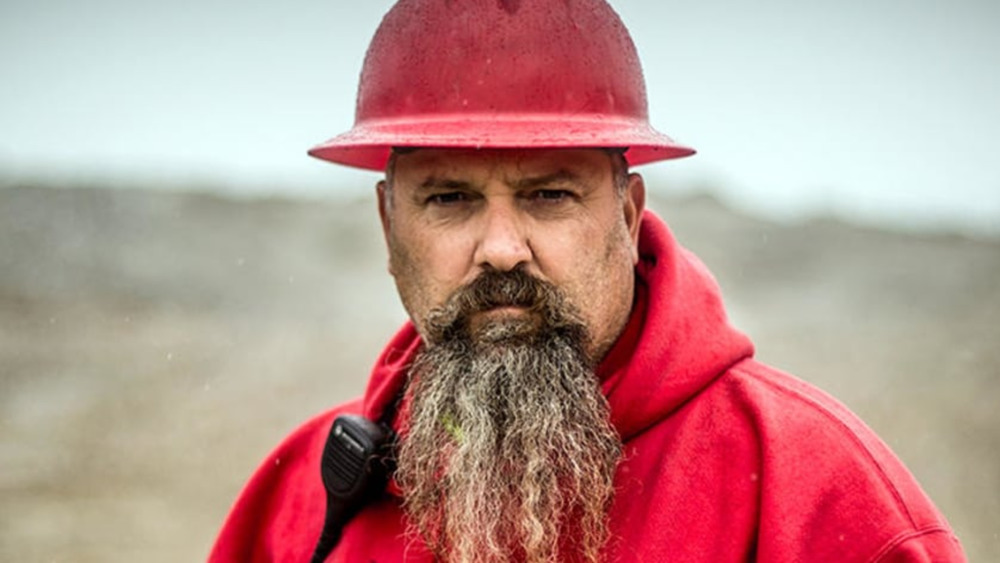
677,341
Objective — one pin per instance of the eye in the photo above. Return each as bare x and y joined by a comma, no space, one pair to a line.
551,196
447,198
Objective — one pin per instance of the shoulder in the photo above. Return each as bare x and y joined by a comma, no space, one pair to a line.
802,429
798,423
788,409
283,504
826,475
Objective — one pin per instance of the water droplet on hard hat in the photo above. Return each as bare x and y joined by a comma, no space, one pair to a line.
510,6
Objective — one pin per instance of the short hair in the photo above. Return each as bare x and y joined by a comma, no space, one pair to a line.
619,168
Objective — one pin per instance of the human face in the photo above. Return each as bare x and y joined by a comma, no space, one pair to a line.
452,214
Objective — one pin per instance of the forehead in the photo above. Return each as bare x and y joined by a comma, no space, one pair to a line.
509,165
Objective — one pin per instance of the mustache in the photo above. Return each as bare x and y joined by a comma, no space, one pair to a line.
493,289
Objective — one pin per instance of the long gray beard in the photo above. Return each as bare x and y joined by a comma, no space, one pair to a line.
509,454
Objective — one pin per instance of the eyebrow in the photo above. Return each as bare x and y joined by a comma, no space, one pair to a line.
558,177
434,182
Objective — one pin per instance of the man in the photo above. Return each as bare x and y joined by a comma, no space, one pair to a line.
569,388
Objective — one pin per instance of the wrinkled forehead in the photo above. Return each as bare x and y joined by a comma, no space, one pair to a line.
415,165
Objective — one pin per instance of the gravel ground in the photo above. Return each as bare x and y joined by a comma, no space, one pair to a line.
155,345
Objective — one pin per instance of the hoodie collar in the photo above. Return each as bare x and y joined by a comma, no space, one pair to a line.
678,339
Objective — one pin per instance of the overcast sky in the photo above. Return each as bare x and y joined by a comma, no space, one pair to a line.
882,110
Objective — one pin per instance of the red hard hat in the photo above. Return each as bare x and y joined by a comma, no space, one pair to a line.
500,74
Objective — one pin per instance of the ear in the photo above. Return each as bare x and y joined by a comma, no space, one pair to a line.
634,203
384,209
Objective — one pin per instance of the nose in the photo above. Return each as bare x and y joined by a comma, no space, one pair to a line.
503,243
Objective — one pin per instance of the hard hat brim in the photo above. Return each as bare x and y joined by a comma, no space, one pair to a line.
368,145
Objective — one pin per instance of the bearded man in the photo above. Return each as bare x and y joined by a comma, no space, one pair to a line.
568,388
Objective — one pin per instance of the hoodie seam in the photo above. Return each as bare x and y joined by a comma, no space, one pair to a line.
844,427
904,537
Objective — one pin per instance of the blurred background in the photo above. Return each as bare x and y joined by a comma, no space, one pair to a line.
180,285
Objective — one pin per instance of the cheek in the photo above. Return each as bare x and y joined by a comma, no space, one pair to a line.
427,269
598,279
609,288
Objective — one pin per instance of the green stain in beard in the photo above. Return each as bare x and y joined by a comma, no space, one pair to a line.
452,428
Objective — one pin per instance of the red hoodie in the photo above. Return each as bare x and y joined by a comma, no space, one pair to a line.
726,459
